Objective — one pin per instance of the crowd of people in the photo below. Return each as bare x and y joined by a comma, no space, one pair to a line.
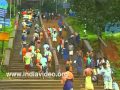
35,51
95,70
50,15
76,60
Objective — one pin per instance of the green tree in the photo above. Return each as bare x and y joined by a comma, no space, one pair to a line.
49,5
96,13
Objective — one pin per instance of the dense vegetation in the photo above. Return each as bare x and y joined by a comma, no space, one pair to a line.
96,13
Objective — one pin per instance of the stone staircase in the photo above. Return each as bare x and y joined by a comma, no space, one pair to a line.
36,83
52,84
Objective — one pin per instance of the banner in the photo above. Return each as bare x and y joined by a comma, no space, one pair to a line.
66,5
5,22
3,12
4,36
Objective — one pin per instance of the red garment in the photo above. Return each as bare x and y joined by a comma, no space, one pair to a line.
48,31
85,59
24,12
61,41
37,61
27,67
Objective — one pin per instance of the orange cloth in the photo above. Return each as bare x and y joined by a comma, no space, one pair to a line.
67,75
24,51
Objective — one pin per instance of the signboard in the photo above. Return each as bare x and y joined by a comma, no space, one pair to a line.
3,12
0,26
66,5
4,36
5,22
1,19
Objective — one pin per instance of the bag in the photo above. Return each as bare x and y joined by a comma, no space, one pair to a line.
94,78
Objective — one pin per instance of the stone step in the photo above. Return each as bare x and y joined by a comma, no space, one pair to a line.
44,87
75,83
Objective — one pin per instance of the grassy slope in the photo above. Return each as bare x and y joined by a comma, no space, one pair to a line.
79,28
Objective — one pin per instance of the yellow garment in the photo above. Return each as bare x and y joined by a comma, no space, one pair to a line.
94,71
30,17
88,83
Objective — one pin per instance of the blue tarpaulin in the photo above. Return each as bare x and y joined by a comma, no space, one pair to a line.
112,27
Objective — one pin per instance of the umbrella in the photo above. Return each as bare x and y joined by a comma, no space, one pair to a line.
3,4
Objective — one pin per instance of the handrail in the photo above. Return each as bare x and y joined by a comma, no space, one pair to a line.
102,41
87,44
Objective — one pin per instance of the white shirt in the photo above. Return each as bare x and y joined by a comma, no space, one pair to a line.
35,35
54,35
60,29
24,23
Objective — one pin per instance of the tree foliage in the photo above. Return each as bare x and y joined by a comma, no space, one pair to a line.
49,5
96,13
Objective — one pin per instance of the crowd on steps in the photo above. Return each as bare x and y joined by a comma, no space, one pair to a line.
37,52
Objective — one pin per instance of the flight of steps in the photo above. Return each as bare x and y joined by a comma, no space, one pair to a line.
40,84
35,83
16,63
